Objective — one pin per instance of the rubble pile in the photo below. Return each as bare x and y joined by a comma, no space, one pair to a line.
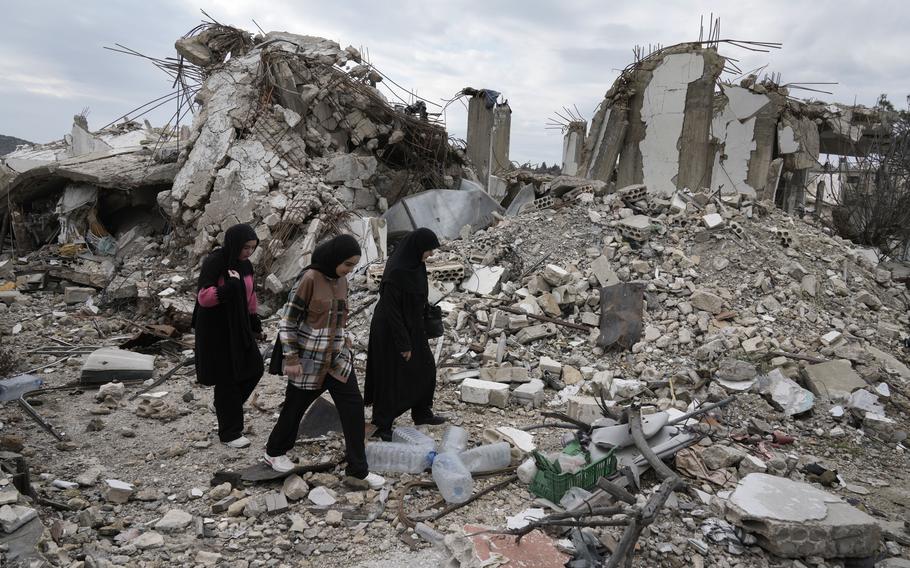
292,127
805,331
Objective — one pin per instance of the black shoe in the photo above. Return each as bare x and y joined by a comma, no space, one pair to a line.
432,420
383,434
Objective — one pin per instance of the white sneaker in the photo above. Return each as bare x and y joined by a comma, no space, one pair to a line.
375,480
281,464
241,442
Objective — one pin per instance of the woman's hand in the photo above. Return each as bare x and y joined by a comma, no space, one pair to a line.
234,274
293,371
406,355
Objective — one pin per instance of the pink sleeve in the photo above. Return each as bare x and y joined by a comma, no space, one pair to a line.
208,297
251,300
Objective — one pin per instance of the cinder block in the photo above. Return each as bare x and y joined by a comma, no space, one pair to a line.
477,391
531,392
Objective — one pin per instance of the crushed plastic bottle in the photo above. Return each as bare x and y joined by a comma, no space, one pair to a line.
14,388
413,436
396,457
452,478
455,440
489,457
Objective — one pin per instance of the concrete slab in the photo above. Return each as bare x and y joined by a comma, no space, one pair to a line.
444,211
795,520
483,280
833,380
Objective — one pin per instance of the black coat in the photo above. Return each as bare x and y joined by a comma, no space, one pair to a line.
220,358
225,348
393,385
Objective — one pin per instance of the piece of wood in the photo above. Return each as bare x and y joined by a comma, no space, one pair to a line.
615,490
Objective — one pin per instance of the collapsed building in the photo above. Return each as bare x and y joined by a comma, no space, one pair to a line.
664,124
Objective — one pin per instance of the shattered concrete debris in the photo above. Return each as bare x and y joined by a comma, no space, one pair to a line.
796,520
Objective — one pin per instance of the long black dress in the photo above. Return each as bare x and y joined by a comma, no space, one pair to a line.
227,355
392,384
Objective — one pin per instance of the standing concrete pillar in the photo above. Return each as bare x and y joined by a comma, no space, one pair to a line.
480,132
502,131
489,129
572,146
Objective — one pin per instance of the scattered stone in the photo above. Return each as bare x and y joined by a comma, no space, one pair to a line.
477,391
174,520
116,491
322,496
148,540
294,487
719,456
706,301
14,516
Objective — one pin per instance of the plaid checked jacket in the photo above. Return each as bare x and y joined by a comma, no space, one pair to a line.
312,330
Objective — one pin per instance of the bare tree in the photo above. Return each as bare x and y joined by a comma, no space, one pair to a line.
873,207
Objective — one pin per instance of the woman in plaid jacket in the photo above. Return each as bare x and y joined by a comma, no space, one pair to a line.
317,357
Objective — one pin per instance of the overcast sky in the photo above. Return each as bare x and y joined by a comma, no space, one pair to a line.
540,55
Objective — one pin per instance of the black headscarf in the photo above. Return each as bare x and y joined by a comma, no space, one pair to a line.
234,239
328,255
232,292
405,267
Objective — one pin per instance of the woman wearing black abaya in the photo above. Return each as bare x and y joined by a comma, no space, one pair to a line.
401,372
227,327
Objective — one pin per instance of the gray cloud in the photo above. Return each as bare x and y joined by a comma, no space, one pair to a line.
540,54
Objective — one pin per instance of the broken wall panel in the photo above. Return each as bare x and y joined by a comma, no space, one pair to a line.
695,149
734,131
765,136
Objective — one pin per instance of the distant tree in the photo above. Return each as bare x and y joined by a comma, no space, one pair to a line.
883,103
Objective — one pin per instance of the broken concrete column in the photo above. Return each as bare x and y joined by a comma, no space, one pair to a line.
502,131
573,146
696,153
602,146
764,133
480,132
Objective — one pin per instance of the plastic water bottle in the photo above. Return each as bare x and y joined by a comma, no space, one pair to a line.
527,471
487,458
413,436
396,457
14,388
455,440
452,478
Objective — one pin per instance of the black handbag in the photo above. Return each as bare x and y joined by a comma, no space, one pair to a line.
432,321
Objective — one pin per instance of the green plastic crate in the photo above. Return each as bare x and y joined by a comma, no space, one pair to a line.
552,484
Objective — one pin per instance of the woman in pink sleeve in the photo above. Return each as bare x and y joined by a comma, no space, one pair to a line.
227,328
